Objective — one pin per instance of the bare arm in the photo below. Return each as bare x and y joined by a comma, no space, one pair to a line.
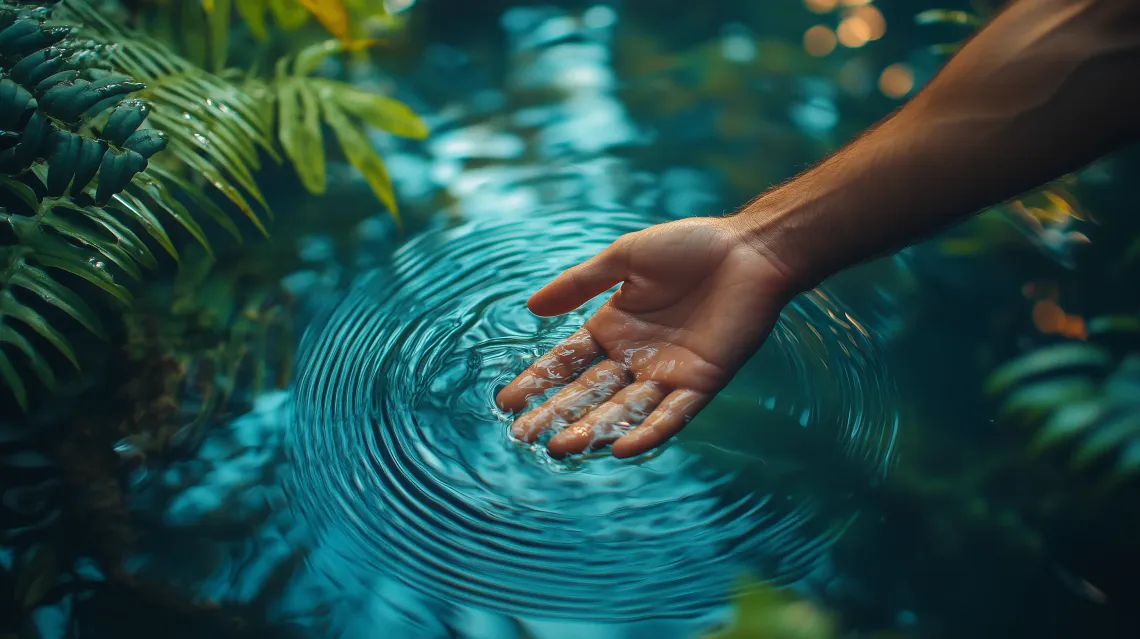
1046,87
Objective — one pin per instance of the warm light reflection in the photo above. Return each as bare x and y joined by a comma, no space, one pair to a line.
874,19
1048,316
1051,319
855,3
819,40
853,32
821,6
896,80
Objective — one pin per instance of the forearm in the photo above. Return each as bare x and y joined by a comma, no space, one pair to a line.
1045,88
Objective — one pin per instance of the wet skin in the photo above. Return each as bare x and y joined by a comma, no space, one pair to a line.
695,301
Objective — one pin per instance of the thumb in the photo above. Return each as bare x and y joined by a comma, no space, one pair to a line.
578,285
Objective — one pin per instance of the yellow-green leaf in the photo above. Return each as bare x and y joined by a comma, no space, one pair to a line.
299,128
219,12
333,17
289,14
361,154
379,111
308,58
252,12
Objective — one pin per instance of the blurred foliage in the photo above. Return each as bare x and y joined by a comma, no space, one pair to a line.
1080,399
289,105
303,103
766,612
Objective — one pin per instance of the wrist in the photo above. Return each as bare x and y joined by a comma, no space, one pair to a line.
769,227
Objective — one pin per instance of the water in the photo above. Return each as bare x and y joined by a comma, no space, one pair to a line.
407,467
381,492
385,480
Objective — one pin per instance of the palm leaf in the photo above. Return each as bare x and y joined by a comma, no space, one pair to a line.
216,129
361,154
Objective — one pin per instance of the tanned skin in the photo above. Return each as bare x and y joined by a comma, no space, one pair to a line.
1043,89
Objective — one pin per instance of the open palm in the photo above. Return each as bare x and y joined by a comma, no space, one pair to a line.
694,304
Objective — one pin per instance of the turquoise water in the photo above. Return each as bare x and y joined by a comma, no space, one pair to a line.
380,495
408,470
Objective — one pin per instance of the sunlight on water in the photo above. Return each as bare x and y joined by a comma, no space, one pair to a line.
405,466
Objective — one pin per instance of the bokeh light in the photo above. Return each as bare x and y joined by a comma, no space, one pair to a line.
853,32
896,80
821,6
819,40
873,18
855,3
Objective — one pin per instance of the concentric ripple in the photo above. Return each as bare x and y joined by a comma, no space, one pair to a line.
406,467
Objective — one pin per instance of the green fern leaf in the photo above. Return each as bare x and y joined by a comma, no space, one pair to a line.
1066,357
12,307
57,254
12,380
299,129
1110,436
362,155
36,281
200,200
128,204
174,209
376,110
9,335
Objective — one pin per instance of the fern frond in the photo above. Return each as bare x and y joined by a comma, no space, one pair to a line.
217,129
1079,400
73,187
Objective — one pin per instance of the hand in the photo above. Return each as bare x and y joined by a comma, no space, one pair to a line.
696,302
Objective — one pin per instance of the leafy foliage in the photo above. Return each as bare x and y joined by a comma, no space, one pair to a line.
763,611
68,187
217,129
1080,398
304,102
231,121
347,20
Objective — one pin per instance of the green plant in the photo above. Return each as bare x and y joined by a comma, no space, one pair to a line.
74,185
1081,399
217,129
236,114
303,102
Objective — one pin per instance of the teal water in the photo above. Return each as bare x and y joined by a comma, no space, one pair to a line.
408,470
380,495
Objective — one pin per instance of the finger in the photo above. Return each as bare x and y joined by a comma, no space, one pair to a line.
578,285
670,417
558,366
572,402
610,421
